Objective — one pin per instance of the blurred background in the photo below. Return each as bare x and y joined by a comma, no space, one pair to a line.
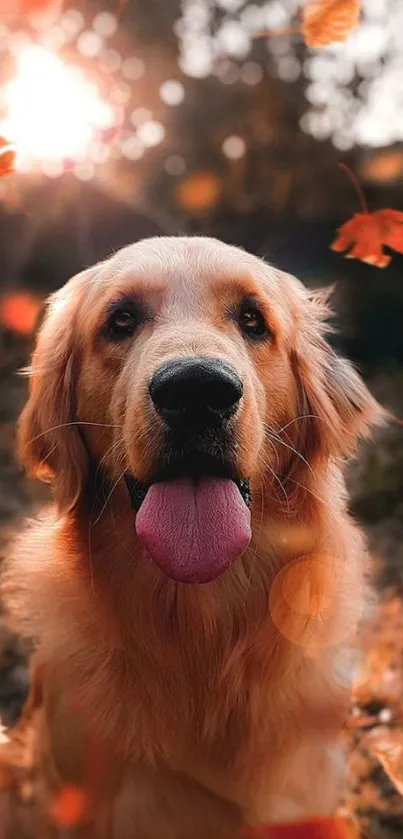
133,118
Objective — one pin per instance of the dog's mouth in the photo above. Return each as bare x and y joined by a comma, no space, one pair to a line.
193,518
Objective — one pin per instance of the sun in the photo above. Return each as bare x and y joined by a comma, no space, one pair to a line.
52,110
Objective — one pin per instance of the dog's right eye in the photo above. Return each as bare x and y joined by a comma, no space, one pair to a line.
121,324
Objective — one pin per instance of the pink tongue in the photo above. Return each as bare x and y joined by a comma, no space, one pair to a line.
193,530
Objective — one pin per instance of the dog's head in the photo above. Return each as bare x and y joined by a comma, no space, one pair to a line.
201,377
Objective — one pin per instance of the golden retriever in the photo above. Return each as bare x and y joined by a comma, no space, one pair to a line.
195,591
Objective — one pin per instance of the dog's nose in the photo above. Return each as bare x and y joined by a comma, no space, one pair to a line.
204,391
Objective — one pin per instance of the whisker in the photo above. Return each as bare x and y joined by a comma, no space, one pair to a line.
314,494
255,552
297,453
276,477
30,371
113,445
49,454
111,449
275,452
297,419
73,422
119,478
143,434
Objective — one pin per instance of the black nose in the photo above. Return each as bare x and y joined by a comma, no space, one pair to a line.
203,391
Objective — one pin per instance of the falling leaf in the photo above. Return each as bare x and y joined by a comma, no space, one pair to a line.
19,312
329,21
319,828
323,22
69,807
7,157
366,234
387,747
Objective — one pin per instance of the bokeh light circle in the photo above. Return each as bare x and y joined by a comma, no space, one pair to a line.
306,602
105,24
151,133
198,192
133,68
172,92
234,147
175,165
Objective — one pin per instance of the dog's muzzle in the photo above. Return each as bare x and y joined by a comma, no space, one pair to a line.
193,515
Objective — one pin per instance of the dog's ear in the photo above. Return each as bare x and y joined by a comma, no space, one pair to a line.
338,406
49,440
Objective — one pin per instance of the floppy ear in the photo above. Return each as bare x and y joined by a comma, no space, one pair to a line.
332,396
50,444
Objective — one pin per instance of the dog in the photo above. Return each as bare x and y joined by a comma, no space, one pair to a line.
195,591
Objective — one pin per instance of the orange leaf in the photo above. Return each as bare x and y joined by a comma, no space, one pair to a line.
19,312
392,227
329,21
69,807
7,157
365,234
319,828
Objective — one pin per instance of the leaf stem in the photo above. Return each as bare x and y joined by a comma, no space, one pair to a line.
356,186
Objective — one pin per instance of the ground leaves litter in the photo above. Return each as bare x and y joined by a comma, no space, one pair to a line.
375,729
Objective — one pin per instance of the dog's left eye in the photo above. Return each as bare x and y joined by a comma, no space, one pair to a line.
121,324
252,322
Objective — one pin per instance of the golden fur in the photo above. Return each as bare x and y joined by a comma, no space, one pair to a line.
190,711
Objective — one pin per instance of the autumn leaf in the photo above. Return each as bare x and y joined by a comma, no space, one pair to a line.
365,235
329,21
323,22
7,157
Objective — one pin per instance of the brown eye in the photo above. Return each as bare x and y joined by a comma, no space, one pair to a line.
252,323
122,323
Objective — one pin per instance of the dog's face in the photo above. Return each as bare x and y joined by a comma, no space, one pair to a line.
199,375
180,350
